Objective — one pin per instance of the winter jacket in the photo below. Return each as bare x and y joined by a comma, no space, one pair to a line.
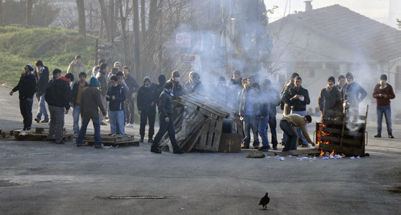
273,98
330,100
147,95
286,107
76,68
296,104
248,96
166,106
132,86
58,93
74,92
264,105
178,89
26,86
191,87
381,101
119,93
298,121
102,83
353,93
91,102
41,79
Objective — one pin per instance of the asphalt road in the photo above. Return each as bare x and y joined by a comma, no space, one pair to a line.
44,178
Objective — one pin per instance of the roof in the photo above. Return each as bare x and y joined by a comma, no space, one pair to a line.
347,27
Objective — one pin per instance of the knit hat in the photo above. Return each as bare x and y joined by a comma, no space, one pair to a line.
349,75
383,77
94,82
331,78
29,67
147,78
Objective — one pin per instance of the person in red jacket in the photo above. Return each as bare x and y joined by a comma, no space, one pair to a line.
383,92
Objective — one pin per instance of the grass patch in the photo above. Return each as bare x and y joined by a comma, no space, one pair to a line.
56,47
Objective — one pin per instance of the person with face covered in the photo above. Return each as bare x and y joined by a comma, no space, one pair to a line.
178,90
249,111
329,101
352,93
147,98
116,98
297,98
383,92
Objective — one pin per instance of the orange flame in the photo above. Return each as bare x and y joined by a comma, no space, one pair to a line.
332,153
322,153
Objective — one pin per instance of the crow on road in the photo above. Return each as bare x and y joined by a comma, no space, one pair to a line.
264,201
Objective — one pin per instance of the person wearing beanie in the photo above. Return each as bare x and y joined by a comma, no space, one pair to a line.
130,97
91,103
148,95
42,78
287,124
353,94
58,97
26,88
76,94
383,92
329,101
116,97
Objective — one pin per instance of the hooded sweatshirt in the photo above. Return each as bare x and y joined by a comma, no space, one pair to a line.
119,93
147,95
58,93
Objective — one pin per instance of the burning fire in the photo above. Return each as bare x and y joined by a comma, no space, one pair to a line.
322,153
332,153
319,141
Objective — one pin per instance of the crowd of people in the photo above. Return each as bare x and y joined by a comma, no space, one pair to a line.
111,93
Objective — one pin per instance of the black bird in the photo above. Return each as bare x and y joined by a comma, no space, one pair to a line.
264,201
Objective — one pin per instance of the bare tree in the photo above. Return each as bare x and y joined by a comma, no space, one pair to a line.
135,27
1,12
81,17
123,18
28,19
105,19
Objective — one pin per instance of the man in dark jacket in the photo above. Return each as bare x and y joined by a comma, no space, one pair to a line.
146,102
383,92
352,93
27,88
42,78
330,101
130,97
77,88
116,98
101,77
91,102
297,98
58,97
166,120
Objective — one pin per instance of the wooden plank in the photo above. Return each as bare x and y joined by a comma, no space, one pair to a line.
355,143
230,143
202,139
350,151
347,133
217,134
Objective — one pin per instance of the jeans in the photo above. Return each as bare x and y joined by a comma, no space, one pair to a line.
262,125
145,116
56,123
165,127
299,130
75,115
117,122
25,107
386,110
251,122
84,126
41,107
289,130
273,124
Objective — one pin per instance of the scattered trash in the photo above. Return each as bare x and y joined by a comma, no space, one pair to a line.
352,158
282,158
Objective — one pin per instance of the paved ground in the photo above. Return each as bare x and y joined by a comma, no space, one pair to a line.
44,178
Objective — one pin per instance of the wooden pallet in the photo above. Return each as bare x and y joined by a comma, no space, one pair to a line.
113,140
37,134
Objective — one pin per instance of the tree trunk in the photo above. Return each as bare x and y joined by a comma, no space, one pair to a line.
143,20
105,19
29,12
137,52
81,17
1,12
123,19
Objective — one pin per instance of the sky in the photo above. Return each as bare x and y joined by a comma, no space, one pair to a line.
378,10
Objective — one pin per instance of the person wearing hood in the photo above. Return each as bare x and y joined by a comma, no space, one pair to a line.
42,78
194,84
166,111
383,92
76,67
329,101
26,88
352,93
91,103
116,97
130,97
76,94
148,95
58,97
178,90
